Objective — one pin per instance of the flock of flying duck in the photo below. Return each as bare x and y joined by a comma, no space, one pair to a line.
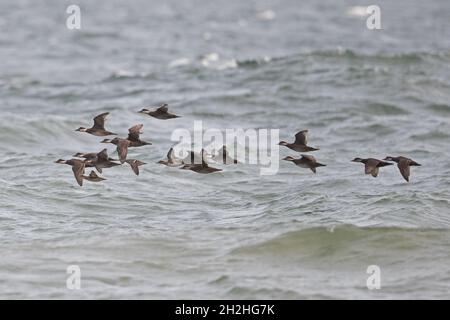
195,162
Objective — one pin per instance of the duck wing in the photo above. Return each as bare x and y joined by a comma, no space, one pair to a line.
403,166
163,109
371,167
122,149
375,172
78,171
301,137
170,155
103,155
99,121
93,175
309,158
134,132
134,166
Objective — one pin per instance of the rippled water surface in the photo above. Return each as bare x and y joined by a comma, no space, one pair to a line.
168,233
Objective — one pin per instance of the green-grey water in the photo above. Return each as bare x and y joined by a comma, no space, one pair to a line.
170,233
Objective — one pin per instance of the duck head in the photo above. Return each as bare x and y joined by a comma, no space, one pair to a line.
283,143
389,159
357,160
62,161
106,141
114,141
81,129
144,111
288,158
78,155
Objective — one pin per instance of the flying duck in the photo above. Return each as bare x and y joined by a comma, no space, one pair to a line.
77,168
93,177
171,161
134,163
133,136
197,157
403,165
223,157
305,161
102,161
122,147
161,113
99,126
372,165
300,143
87,156
200,168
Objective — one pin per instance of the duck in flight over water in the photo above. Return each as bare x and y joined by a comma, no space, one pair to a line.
403,165
99,126
300,143
77,168
161,113
93,177
372,165
171,161
201,168
305,161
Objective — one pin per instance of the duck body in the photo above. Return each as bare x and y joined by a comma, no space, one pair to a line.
122,147
161,112
93,177
300,143
223,157
77,168
98,129
372,165
134,136
306,161
199,168
134,163
203,167
403,164
103,161
171,161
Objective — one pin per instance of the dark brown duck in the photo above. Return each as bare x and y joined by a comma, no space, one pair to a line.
201,168
300,143
134,163
403,165
171,160
77,168
372,165
93,177
99,126
223,157
161,113
134,136
103,161
306,161
122,147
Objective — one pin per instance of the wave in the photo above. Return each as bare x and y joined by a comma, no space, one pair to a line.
312,240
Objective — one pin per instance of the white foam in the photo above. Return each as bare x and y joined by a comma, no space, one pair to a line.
179,62
266,15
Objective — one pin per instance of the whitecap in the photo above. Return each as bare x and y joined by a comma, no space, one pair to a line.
266,15
179,62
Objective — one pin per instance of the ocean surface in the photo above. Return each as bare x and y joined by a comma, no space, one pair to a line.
174,234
